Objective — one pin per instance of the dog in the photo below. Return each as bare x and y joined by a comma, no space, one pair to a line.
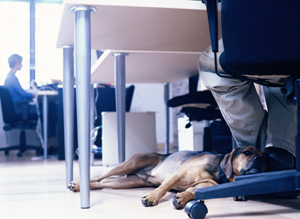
184,171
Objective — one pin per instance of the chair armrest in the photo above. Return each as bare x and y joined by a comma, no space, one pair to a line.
212,14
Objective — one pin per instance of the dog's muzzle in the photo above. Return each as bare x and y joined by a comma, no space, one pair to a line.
254,166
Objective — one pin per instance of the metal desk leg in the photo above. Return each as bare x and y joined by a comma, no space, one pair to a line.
92,119
120,102
167,117
45,125
68,106
83,81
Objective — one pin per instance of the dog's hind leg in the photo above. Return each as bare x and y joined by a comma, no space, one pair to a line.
132,165
121,182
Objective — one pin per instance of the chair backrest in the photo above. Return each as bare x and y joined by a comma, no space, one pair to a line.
261,37
7,105
106,101
128,97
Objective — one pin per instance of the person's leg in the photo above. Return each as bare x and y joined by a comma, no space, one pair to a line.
241,108
238,101
281,130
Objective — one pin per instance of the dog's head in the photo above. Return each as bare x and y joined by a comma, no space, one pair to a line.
242,161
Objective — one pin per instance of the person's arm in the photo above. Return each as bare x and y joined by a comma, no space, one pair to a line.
18,88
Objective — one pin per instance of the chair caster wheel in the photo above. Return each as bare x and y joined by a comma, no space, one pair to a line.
19,154
196,209
240,198
6,152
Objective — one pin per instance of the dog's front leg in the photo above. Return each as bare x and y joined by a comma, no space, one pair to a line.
180,199
74,186
153,198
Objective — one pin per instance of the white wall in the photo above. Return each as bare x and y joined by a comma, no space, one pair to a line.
150,98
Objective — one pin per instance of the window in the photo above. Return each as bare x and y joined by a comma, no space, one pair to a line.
15,38
49,59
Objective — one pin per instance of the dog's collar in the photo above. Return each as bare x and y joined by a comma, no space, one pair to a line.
222,176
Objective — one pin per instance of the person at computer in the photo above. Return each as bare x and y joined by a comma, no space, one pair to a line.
14,87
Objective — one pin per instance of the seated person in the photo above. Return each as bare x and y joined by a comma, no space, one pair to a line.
19,94
14,87
250,124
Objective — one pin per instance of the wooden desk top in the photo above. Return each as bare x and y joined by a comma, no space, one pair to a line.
157,25
47,92
147,67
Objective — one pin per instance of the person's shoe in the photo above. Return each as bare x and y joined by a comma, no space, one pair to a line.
279,159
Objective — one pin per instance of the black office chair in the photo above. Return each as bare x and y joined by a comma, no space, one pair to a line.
261,44
17,119
199,106
196,105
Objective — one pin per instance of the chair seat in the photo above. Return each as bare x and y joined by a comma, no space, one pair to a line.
199,114
200,99
20,125
266,70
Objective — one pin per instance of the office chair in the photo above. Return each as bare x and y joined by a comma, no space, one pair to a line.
196,105
260,45
199,106
17,119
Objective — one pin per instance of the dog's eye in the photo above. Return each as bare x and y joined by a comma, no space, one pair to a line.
248,153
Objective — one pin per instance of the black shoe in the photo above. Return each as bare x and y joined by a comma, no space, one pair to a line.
279,159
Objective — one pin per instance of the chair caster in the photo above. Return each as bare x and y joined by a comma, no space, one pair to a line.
19,154
6,152
196,209
240,198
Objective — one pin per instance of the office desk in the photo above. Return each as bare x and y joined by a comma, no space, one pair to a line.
155,25
172,26
147,66
144,67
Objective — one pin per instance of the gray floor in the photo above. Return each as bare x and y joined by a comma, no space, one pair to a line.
36,188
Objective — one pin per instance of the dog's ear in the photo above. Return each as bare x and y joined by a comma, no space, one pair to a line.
226,164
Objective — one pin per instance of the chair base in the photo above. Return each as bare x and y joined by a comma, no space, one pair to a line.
22,147
39,149
256,184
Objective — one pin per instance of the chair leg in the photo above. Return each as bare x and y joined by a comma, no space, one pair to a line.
22,141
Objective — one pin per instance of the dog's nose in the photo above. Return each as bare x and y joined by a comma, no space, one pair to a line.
257,158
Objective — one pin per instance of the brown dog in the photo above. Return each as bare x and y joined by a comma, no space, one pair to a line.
184,171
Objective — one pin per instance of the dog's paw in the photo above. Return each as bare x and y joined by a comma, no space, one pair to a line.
148,201
74,186
179,200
